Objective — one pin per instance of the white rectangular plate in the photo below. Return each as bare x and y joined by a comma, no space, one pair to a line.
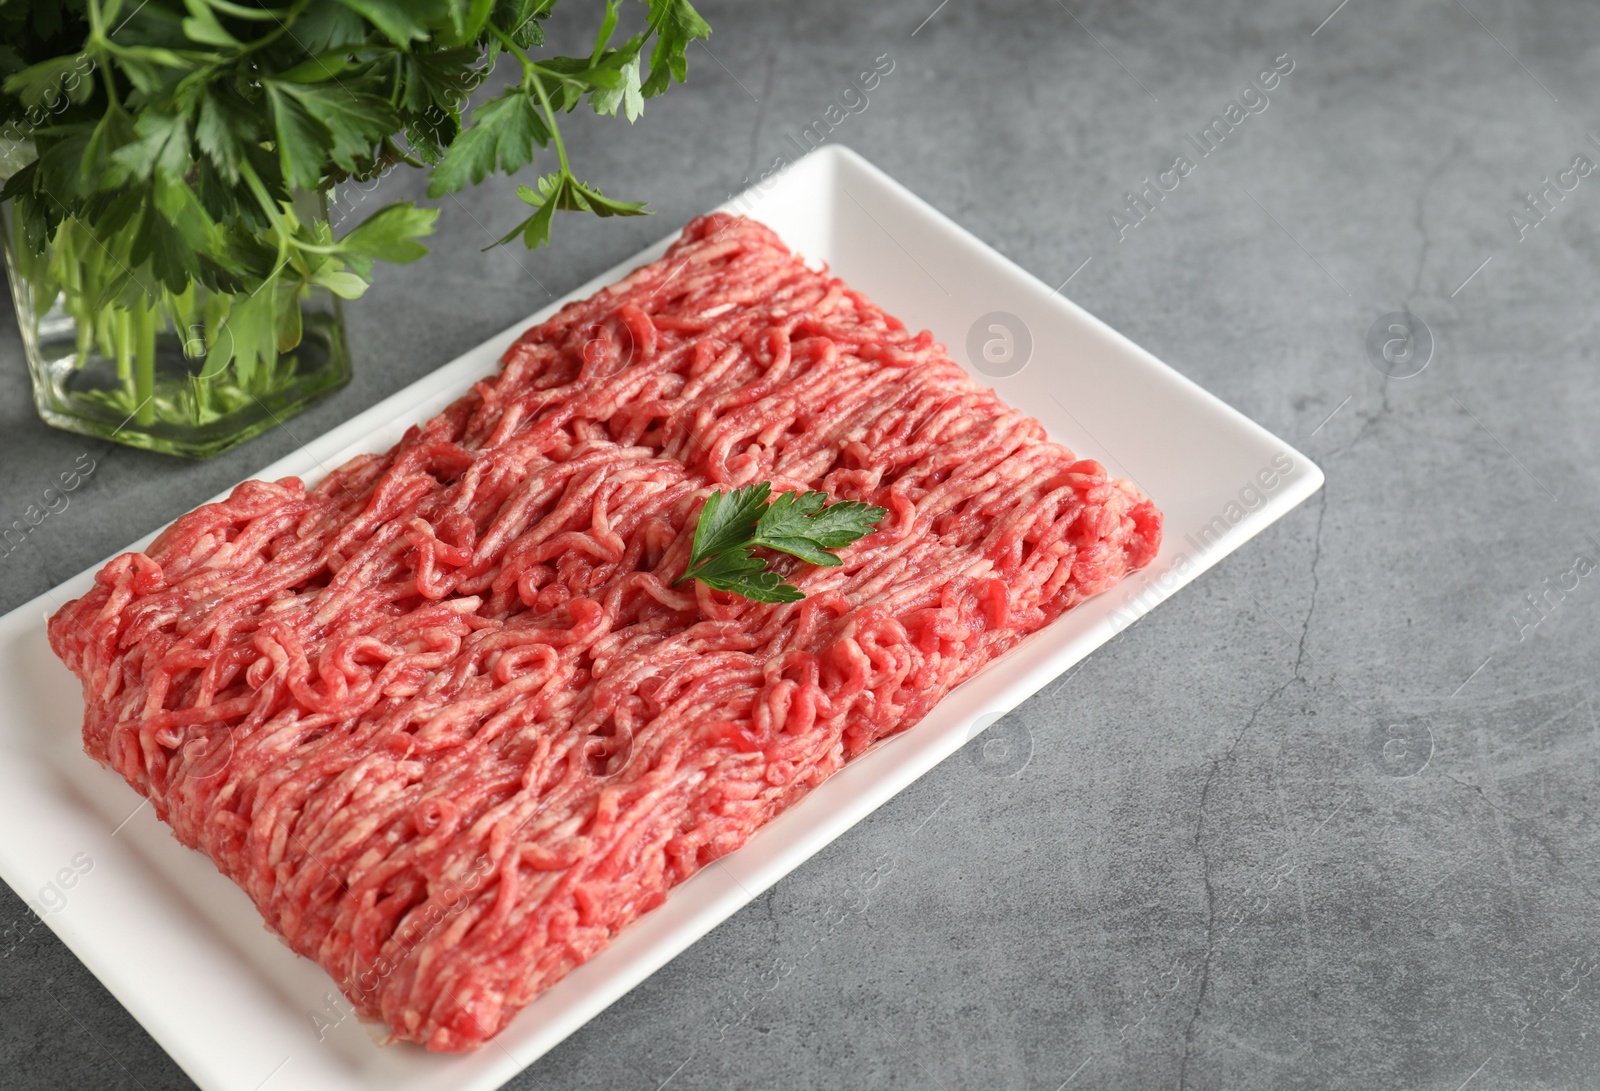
184,949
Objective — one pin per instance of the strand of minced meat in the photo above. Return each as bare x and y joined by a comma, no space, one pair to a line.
443,716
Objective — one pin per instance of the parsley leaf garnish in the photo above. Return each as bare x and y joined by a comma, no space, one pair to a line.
800,524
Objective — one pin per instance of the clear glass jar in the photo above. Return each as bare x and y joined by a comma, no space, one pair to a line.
147,376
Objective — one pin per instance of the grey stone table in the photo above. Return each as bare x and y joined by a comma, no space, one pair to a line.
1325,819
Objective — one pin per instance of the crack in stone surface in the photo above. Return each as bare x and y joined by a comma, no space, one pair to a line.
1316,582
1491,804
1419,219
1420,222
1205,875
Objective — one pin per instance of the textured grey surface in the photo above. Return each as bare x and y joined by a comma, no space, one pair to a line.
1208,875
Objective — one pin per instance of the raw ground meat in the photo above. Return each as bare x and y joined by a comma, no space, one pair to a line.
443,716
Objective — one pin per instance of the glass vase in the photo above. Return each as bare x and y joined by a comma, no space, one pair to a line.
147,374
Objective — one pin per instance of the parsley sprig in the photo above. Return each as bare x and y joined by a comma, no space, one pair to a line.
800,524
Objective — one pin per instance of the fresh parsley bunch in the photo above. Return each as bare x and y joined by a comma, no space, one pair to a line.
173,136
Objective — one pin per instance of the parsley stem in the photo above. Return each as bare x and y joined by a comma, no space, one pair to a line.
285,234
530,78
123,343
550,120
259,190
144,362
259,14
272,35
113,105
